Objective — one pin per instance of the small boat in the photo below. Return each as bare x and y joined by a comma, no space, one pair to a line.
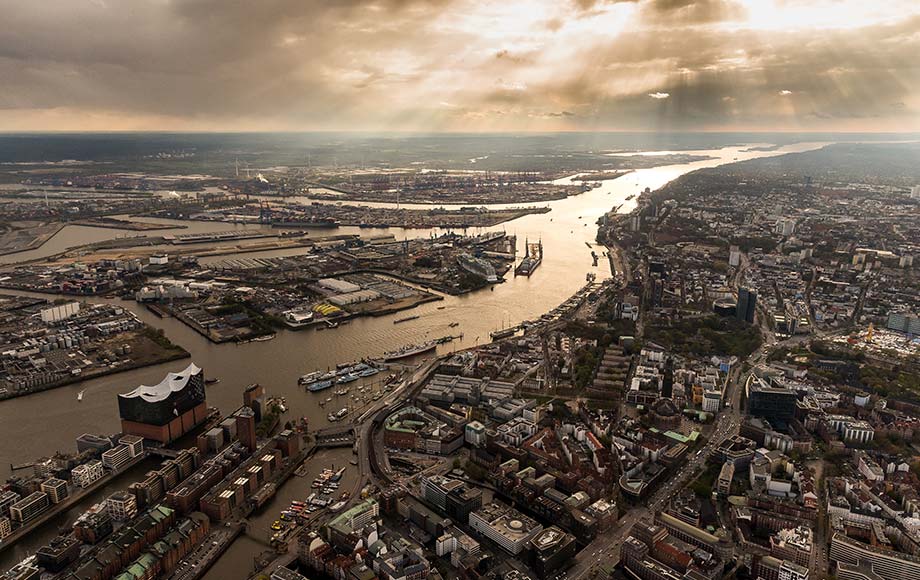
337,416
263,338
347,378
441,307
212,381
331,324
80,395
368,372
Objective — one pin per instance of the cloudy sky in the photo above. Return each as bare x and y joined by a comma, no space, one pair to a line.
460,65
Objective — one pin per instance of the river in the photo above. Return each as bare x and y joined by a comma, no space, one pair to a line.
43,423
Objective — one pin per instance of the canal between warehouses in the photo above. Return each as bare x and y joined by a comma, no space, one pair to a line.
40,424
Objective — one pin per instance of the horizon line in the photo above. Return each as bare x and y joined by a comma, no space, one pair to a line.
4,133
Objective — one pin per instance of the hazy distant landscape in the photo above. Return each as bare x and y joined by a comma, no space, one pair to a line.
218,154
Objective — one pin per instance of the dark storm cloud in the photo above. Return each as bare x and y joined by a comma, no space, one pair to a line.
732,77
443,64
191,57
676,12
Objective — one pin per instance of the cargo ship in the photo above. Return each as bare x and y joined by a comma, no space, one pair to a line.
410,350
406,319
503,333
305,223
477,267
200,238
533,257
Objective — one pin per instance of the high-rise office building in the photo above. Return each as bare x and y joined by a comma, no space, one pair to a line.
903,322
785,227
8,498
246,427
734,256
86,474
771,400
29,507
121,506
550,551
56,489
254,398
747,305
452,496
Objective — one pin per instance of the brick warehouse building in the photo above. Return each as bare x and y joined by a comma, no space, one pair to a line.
168,410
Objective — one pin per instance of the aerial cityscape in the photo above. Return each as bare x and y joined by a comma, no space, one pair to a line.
398,290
